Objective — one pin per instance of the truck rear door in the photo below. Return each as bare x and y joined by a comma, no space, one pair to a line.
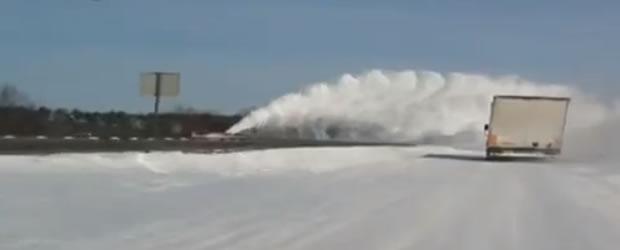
527,122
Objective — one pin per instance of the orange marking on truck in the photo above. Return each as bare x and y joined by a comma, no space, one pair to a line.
492,140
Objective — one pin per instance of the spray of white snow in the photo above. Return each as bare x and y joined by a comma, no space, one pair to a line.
419,106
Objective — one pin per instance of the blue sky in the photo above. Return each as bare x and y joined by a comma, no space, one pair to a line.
235,54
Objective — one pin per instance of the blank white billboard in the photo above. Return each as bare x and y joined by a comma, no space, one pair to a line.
169,84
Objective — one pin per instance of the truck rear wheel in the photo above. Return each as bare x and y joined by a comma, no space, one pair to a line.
490,155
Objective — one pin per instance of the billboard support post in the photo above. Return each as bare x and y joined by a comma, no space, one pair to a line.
157,92
156,108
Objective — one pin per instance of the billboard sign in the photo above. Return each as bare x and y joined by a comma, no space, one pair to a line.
160,84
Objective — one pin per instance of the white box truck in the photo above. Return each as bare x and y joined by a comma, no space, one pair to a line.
526,124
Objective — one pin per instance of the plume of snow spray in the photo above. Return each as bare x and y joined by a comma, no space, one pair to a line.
423,107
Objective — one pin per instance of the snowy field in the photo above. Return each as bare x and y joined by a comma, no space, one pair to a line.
320,198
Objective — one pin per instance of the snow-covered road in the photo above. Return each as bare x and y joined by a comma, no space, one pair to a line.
321,198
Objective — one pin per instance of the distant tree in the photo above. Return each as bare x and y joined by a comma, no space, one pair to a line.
136,123
44,112
76,114
60,115
10,96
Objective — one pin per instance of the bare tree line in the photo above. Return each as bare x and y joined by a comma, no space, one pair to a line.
20,116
